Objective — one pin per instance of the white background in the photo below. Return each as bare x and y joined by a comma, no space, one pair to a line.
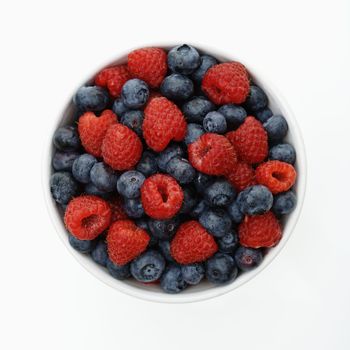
48,301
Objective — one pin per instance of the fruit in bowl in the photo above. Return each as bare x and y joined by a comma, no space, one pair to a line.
172,169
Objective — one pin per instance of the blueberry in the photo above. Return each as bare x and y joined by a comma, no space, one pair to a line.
202,181
66,138
81,246
170,152
91,98
120,272
194,131
228,243
255,200
133,120
283,152
264,114
119,107
148,267
197,108
235,214
164,229
103,177
220,193
284,203
177,87
256,99
276,127
64,160
216,221
247,258
199,209
215,122
91,189
206,63
172,280
190,200
147,164
63,187
164,247
221,268
133,208
181,169
142,223
134,93
82,166
129,184
193,273
99,253
183,59
234,115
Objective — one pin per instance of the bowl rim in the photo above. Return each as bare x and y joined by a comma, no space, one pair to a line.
96,271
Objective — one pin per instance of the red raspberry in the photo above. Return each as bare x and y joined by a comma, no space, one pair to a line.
126,241
163,122
148,64
87,216
276,175
212,154
116,204
260,231
242,176
113,78
121,147
92,130
192,243
250,141
226,83
161,196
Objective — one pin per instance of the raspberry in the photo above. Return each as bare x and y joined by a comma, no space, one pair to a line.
212,154
87,216
121,147
116,204
92,130
161,196
192,243
163,122
148,64
250,141
113,78
242,176
259,231
226,83
126,241
276,175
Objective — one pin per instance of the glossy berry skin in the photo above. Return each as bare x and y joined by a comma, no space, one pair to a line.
82,246
193,273
177,87
228,243
181,170
283,152
263,114
129,184
135,93
63,161
221,268
255,200
148,267
63,187
202,181
197,108
133,120
119,107
207,62
219,194
169,153
99,253
234,212
172,280
247,258
234,115
66,138
183,59
200,207
90,188
147,164
91,98
256,99
190,200
164,248
194,131
216,221
215,122
119,272
103,177
82,166
133,208
284,203
276,127
164,229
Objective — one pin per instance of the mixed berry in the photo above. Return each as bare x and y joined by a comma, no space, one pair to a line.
174,171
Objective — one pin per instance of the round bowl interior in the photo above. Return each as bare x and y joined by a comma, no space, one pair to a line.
204,290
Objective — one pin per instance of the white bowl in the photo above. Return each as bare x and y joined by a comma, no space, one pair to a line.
204,290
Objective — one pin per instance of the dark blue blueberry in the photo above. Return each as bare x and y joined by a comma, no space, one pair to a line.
276,127
66,138
221,268
164,247
256,99
134,93
99,253
206,63
177,87
81,246
193,273
181,169
91,98
120,272
148,267
172,280
64,160
119,107
235,214
82,166
202,181
283,152
284,203
194,131
164,229
216,221
255,200
133,208
63,187
183,59
264,114
147,164
215,122
220,193
234,115
142,223
90,188
197,108
190,200
129,184
170,152
228,243
133,120
247,258
199,209
103,177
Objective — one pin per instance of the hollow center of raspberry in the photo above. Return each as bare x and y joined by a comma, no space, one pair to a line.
203,151
164,194
90,222
279,176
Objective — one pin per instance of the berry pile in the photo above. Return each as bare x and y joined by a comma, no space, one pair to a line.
176,171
